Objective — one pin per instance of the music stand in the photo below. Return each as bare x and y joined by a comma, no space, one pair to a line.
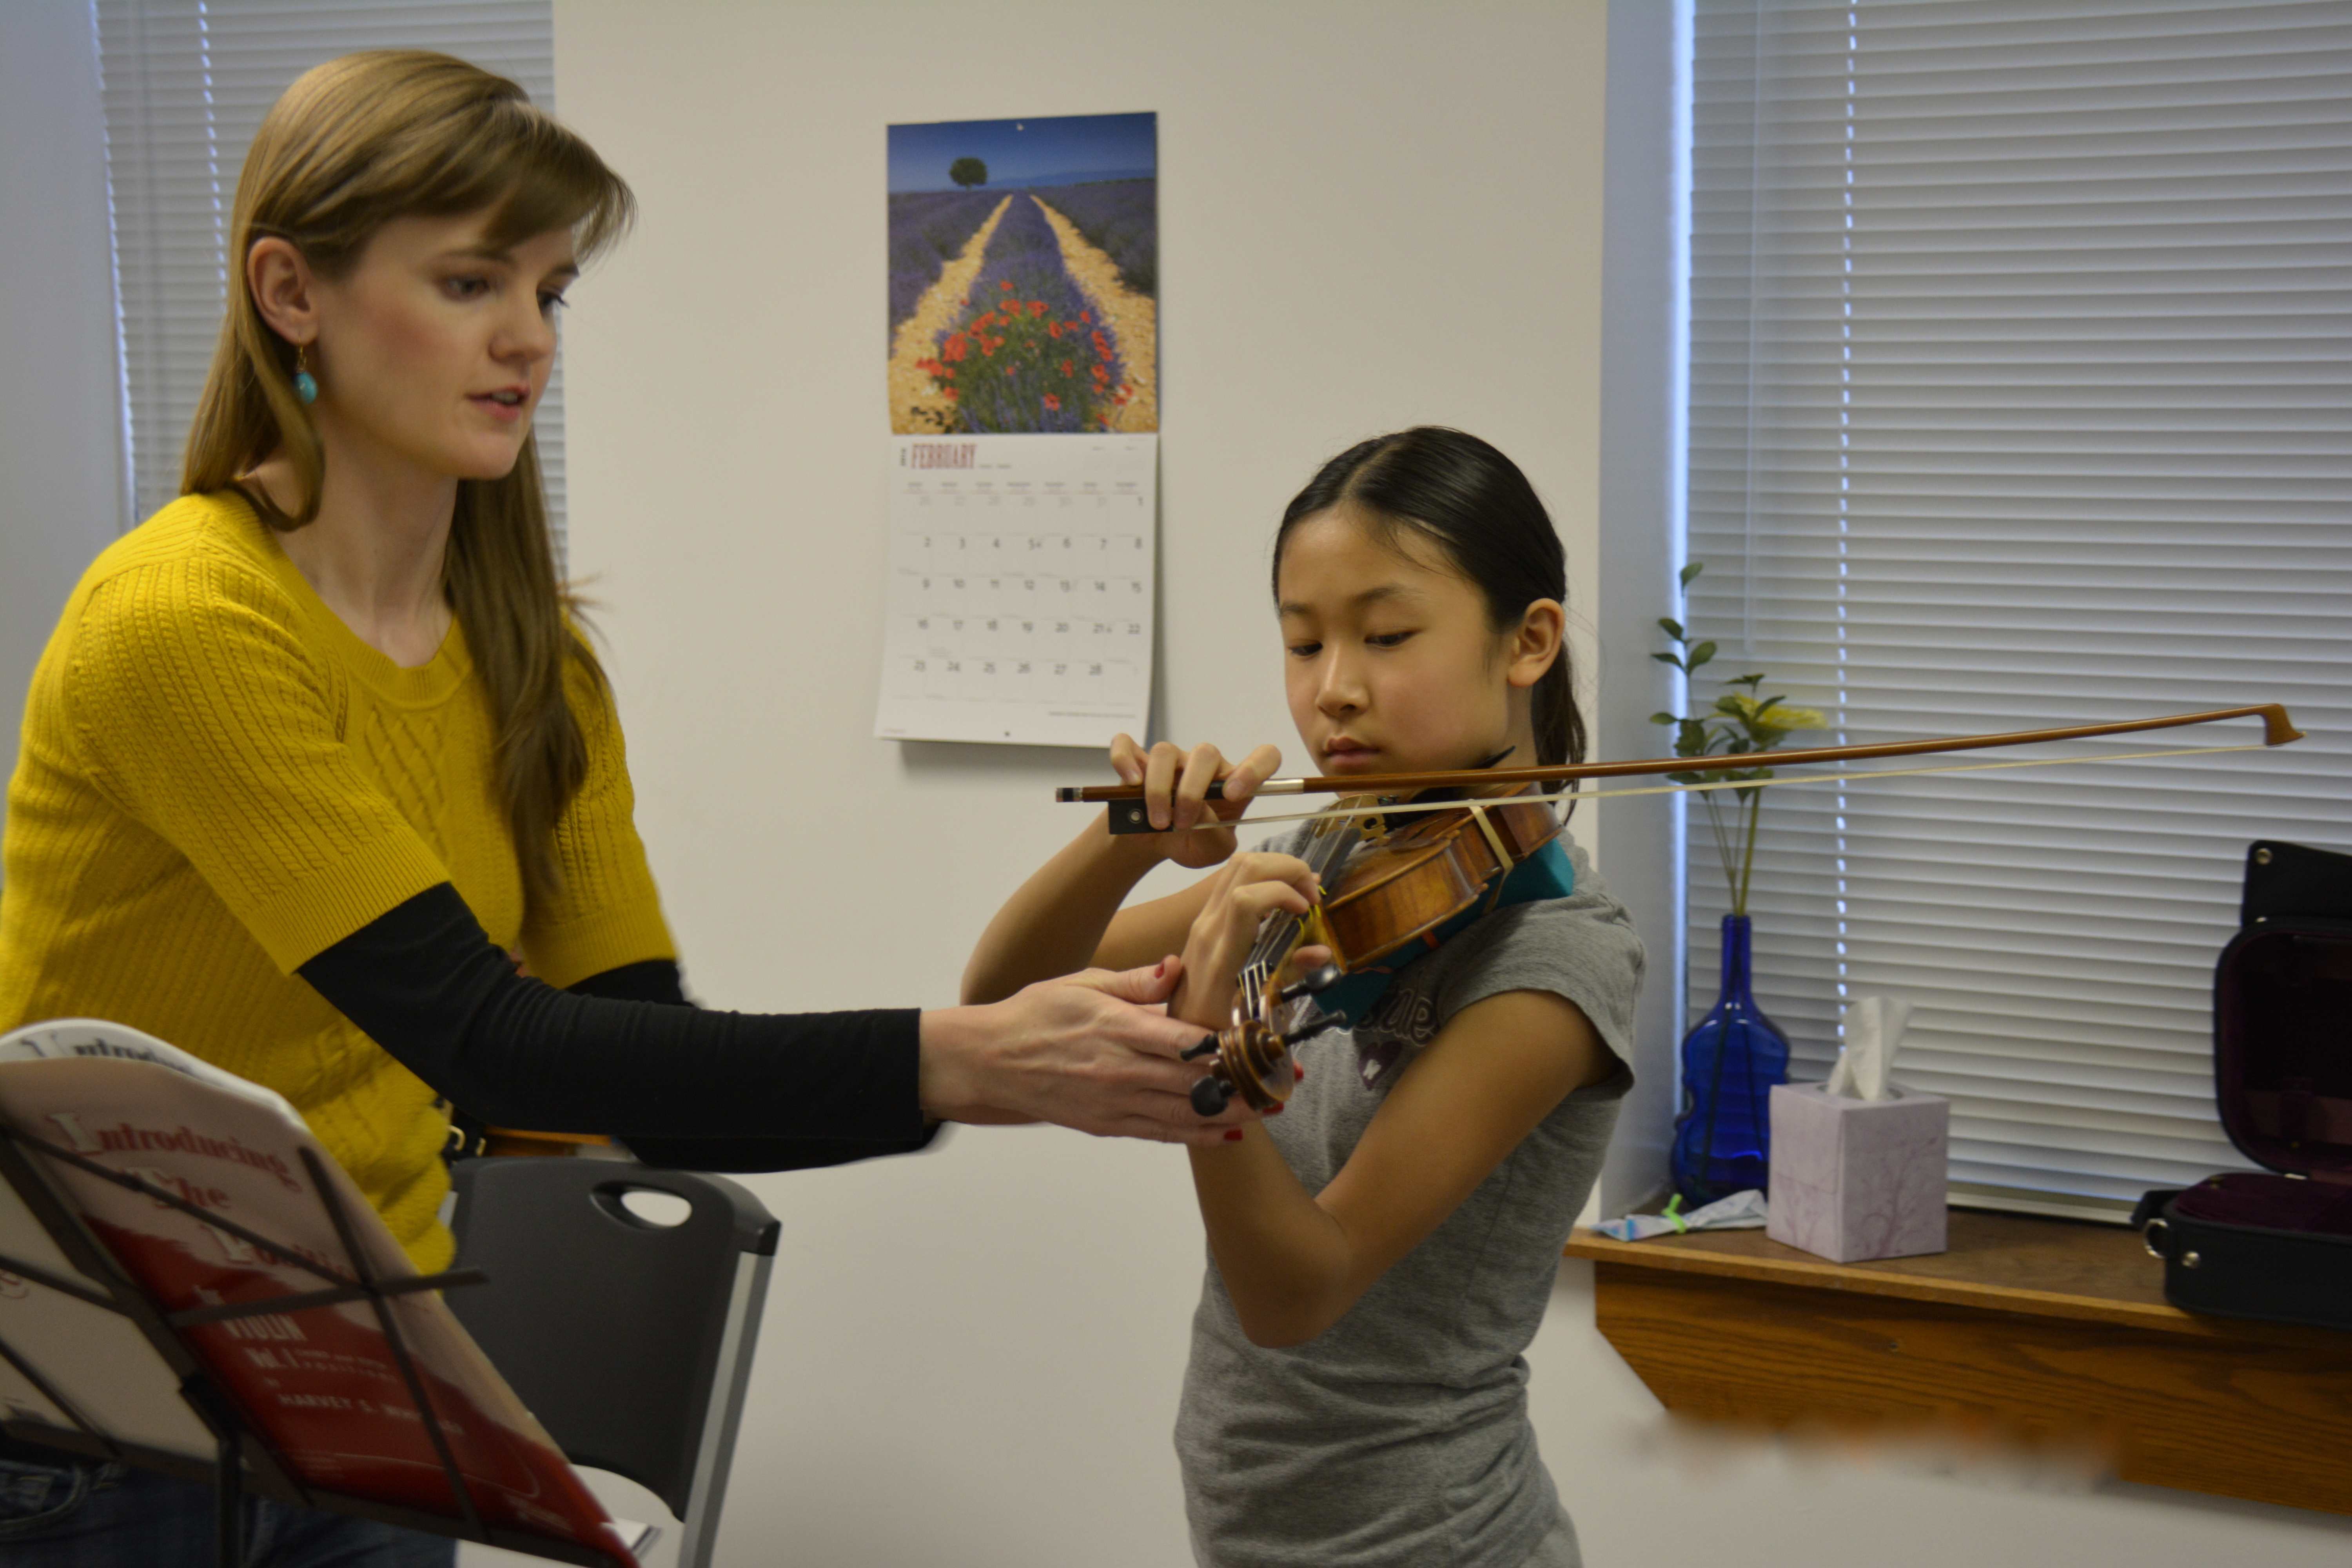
242,1459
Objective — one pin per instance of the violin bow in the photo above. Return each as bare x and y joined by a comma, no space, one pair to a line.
1127,810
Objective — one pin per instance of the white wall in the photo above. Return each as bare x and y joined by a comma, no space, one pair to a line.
1372,213
61,392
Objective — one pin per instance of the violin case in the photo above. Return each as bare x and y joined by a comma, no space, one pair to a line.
2255,1244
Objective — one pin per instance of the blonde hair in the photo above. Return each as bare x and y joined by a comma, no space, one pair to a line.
352,145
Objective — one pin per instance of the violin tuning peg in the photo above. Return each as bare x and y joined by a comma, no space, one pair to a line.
1313,1026
1206,1047
1210,1095
1308,985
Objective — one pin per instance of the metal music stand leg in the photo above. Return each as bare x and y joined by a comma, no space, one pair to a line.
228,1505
218,1412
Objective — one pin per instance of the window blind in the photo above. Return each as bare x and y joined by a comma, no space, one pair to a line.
186,83
2021,393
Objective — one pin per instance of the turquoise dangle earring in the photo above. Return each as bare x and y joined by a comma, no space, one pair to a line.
306,385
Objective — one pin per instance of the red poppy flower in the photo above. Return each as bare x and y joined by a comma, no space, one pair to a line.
1036,307
1052,404
1086,316
957,347
1065,367
1006,285
1054,329
951,393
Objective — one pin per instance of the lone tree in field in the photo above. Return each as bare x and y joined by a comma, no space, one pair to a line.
967,173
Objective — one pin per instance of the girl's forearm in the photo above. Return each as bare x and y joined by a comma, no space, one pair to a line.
1053,924
1285,1259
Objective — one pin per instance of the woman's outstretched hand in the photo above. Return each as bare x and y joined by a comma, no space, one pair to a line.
1175,791
1094,1051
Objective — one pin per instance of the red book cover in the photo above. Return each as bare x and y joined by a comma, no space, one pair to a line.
321,1385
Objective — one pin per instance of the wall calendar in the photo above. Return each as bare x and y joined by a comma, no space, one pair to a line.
1021,589
1024,414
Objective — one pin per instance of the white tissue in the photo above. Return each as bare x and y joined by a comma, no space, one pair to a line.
1740,1211
1873,1030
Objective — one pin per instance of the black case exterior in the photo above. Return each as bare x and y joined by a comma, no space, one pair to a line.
2283,1068
2248,1271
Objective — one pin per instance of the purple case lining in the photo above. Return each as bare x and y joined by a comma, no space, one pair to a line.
2273,1202
2282,1053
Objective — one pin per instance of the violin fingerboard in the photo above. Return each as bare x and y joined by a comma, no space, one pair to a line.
1326,850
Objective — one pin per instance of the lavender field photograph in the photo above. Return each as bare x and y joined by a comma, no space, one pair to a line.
1024,275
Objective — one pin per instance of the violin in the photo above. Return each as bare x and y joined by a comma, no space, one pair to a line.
1444,843
1388,887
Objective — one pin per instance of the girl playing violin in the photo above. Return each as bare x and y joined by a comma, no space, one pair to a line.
1381,1253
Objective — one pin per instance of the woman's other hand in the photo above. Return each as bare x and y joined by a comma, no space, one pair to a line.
1176,788
1095,1052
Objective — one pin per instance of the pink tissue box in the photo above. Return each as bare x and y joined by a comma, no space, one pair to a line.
1856,1179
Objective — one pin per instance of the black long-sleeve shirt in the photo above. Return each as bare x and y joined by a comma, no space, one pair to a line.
624,1052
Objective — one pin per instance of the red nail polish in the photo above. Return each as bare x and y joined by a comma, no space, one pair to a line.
1160,969
1299,1073
1232,1136
1274,1111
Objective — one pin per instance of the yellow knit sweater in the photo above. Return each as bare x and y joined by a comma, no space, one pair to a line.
218,780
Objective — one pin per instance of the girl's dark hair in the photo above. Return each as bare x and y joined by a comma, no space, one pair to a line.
1473,502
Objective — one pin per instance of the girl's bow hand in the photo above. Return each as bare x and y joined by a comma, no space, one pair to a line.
1241,894
1175,792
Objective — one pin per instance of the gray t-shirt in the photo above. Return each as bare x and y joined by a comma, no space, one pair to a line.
1398,1437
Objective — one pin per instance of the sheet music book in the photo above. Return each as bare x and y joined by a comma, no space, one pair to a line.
320,1386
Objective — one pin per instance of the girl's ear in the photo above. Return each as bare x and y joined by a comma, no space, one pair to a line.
280,277
1534,647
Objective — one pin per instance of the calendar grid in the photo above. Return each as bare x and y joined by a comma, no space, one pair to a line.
1020,600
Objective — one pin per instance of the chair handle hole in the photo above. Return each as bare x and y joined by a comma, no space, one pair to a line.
647,1206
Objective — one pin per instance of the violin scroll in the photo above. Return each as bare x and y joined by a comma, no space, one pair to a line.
1253,1055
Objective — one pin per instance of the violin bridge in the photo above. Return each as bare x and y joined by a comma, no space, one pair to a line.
1494,840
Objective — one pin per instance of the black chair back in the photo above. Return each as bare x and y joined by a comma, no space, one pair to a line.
628,1338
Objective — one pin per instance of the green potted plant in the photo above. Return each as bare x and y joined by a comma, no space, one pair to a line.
1735,1055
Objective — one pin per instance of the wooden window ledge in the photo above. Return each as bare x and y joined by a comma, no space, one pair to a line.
2039,1331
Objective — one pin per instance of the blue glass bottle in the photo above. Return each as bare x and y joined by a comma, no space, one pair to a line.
1730,1062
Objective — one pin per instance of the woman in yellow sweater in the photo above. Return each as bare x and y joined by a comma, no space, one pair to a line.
316,761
